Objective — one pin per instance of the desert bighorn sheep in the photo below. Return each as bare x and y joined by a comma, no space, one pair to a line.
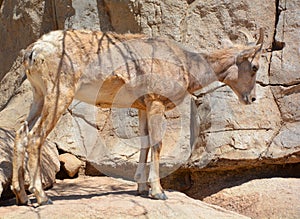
112,70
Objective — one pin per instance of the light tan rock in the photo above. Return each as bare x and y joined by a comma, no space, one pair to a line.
261,198
284,73
289,139
70,163
285,62
104,197
228,130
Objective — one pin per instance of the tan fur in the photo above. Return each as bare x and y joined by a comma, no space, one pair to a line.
113,70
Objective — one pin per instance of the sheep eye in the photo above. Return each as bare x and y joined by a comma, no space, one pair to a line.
254,68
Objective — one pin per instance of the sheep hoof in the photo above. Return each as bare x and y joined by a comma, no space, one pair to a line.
47,202
160,196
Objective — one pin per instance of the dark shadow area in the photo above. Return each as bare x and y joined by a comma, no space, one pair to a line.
6,142
55,15
76,197
118,191
277,45
200,184
63,174
103,16
119,16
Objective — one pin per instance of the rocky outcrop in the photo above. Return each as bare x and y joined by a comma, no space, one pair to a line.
285,79
211,130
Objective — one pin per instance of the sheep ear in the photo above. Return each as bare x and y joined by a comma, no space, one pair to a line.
249,52
226,43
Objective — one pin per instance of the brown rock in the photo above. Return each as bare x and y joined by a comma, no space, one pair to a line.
22,22
122,15
91,170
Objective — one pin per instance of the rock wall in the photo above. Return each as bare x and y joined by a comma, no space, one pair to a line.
214,131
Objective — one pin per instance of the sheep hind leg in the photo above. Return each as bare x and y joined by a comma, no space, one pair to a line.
52,110
18,165
36,139
21,144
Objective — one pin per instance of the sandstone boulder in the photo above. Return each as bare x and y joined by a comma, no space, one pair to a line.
230,131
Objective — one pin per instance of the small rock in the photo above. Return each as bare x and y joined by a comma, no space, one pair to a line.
71,164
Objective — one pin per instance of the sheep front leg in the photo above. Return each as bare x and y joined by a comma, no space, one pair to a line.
17,186
155,115
141,173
